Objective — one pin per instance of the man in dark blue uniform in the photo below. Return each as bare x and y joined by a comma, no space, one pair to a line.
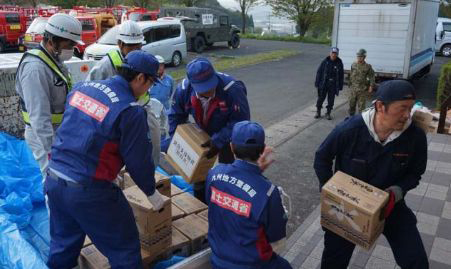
103,128
329,82
383,148
216,101
245,211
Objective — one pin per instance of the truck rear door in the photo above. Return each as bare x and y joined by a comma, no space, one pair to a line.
381,29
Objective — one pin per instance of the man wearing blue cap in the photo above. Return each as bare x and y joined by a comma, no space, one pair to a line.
245,213
383,148
329,82
216,101
103,128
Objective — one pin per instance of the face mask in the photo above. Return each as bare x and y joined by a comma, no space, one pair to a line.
65,55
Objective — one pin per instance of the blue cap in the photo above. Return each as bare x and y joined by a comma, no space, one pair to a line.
334,50
248,134
201,75
142,62
395,90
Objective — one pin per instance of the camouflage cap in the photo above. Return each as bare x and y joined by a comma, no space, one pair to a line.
361,53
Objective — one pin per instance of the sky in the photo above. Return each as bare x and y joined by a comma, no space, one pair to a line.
261,15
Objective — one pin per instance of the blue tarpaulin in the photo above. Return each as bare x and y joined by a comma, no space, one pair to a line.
24,225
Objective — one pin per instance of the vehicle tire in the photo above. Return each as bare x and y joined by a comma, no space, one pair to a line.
199,44
176,59
234,41
446,50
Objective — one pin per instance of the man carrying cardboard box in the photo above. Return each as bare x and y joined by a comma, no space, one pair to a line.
216,101
246,215
103,128
380,147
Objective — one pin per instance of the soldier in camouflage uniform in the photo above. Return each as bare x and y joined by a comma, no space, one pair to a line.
361,83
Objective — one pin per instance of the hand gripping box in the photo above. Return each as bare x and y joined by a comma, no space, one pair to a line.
150,222
187,156
353,209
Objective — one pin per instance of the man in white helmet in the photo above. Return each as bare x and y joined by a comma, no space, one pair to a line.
43,82
129,38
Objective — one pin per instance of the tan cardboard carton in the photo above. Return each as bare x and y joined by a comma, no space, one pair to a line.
180,244
148,221
196,229
177,213
187,156
87,242
91,258
353,209
175,190
162,183
188,203
203,215
157,243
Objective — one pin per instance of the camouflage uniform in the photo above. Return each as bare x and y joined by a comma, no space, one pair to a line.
362,77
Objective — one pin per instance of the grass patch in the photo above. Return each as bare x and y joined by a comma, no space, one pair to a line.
305,39
222,63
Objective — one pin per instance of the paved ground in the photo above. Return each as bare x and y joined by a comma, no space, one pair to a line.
431,202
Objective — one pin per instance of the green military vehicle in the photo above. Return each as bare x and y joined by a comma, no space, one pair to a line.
204,27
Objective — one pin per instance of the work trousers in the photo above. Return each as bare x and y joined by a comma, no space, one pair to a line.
358,98
329,92
99,211
401,232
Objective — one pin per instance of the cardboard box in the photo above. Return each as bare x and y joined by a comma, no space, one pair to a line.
188,203
157,243
91,258
87,242
353,209
180,244
196,229
177,213
203,215
175,190
428,122
187,156
148,221
162,183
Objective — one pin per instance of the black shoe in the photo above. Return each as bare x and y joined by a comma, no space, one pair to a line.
318,114
328,116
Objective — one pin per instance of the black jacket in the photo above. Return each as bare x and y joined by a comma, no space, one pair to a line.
323,71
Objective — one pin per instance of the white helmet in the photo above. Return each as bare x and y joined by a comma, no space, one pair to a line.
159,59
130,33
65,26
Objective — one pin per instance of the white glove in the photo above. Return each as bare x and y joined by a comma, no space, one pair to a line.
157,200
286,201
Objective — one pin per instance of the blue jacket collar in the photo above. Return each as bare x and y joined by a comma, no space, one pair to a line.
247,166
122,83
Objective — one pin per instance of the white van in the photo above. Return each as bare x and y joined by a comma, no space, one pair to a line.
166,38
443,37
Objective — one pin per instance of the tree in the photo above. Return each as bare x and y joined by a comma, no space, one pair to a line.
109,3
245,6
444,10
302,12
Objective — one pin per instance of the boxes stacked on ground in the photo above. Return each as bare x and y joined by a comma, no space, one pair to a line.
353,209
186,155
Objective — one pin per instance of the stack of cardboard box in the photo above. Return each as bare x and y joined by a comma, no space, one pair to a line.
175,229
428,121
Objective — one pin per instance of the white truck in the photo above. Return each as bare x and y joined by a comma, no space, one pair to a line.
10,117
398,35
